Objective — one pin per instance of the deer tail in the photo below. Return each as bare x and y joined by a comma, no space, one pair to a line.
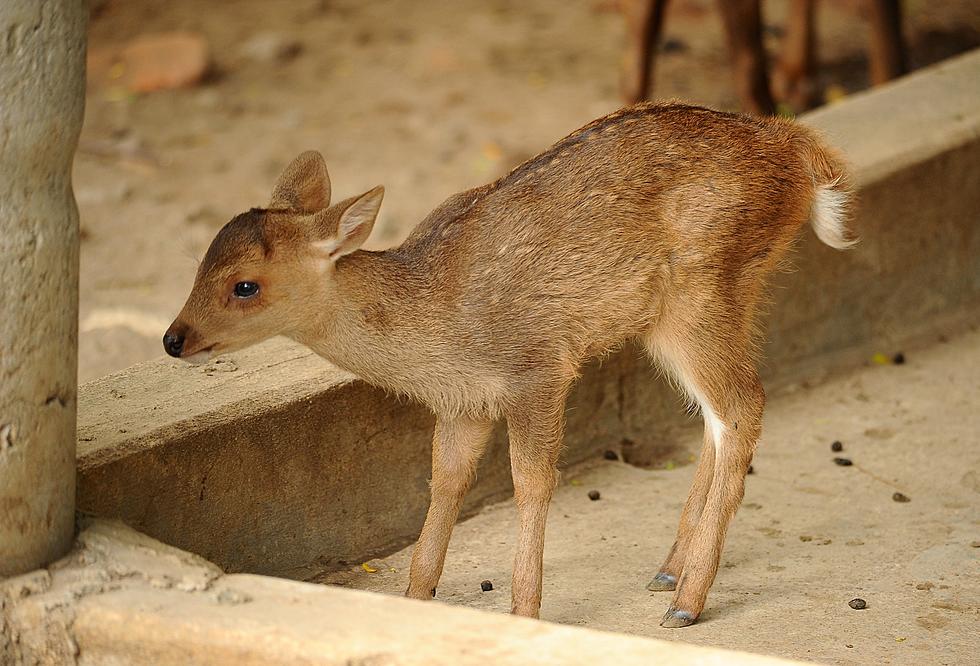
830,211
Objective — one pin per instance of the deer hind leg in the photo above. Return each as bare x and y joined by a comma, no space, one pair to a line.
456,448
670,572
535,443
710,356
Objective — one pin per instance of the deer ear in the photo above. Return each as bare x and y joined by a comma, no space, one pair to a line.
304,185
355,224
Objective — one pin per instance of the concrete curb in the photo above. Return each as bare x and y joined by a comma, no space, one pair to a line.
123,598
271,462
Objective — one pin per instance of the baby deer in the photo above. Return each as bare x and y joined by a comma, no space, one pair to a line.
658,223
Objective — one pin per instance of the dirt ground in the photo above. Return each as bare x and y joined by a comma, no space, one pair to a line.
810,536
427,98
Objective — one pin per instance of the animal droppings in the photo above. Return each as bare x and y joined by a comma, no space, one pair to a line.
837,446
610,455
594,495
858,604
750,470
898,359
486,586
901,497
843,462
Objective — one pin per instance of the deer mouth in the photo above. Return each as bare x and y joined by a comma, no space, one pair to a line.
198,357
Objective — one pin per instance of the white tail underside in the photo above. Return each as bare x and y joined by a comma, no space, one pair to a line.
828,216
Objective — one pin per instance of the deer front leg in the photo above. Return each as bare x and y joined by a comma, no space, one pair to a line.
535,442
457,446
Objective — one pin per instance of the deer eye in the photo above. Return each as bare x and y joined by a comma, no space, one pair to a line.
246,289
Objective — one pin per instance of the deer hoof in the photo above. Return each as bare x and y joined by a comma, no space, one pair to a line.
678,618
662,582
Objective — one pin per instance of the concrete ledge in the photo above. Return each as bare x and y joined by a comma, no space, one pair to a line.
123,598
272,462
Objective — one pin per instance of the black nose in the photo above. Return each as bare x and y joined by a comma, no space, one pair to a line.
174,344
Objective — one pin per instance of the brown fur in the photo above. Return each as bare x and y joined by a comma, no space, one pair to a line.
795,76
658,223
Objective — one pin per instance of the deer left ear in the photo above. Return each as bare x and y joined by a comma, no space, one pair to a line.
355,224
304,185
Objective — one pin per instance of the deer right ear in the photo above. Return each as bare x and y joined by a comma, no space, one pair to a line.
354,226
304,185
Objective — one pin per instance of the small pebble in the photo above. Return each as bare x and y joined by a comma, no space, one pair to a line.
610,455
837,446
843,462
898,359
901,497
486,586
858,604
673,45
594,495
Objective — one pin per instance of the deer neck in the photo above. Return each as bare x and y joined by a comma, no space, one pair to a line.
376,319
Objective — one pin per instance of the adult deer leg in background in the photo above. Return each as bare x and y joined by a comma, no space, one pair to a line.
887,51
795,78
644,22
742,20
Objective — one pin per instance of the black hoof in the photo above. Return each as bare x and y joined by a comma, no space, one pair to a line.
678,618
662,582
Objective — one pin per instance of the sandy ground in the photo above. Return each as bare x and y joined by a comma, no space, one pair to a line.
810,536
425,97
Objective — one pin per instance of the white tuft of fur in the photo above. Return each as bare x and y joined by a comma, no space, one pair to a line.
714,425
683,380
828,216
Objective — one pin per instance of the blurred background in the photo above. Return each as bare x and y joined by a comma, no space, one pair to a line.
193,109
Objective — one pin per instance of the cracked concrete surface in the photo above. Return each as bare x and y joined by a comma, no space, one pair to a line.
38,609
810,536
